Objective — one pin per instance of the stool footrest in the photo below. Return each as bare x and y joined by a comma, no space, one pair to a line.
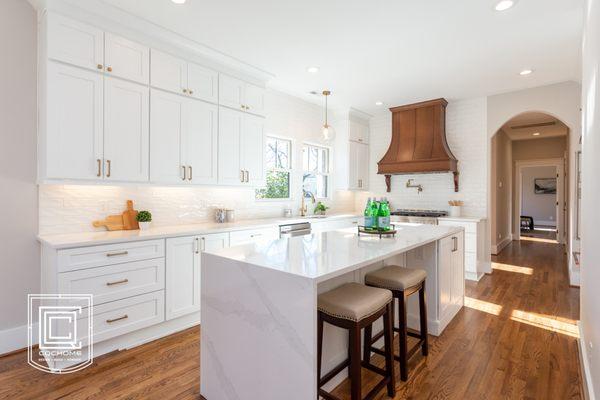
336,370
373,368
375,391
409,353
327,395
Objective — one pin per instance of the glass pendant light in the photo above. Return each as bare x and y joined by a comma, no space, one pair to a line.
327,132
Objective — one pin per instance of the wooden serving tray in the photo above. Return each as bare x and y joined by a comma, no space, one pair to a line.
363,230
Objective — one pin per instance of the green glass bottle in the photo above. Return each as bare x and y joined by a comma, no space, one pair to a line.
375,213
383,215
368,222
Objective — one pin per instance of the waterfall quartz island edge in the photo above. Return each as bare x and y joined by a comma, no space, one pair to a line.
259,304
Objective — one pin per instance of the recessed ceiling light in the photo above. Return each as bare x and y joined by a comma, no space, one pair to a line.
536,134
504,5
312,70
379,103
178,1
526,72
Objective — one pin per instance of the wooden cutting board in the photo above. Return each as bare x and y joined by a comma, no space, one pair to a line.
129,217
112,223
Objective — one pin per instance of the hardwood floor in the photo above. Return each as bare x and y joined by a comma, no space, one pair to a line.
515,339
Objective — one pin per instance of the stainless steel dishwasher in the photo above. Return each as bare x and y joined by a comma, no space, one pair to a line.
290,230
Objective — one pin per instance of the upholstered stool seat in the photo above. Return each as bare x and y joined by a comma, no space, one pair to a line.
353,306
394,277
353,301
403,282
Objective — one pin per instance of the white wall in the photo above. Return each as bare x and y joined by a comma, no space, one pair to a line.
501,219
19,266
72,208
465,132
541,207
590,238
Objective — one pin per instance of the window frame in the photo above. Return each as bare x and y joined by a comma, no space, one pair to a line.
328,174
289,170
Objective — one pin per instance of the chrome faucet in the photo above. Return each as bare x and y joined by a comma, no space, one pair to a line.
303,206
409,184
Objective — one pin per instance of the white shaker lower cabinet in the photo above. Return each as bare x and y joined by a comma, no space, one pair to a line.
475,255
237,238
451,279
326,226
183,271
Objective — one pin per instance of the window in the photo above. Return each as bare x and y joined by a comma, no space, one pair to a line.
278,165
315,167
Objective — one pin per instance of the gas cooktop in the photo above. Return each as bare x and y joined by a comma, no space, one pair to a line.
420,213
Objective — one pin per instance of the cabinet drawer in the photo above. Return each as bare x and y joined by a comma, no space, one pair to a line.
115,282
252,235
97,256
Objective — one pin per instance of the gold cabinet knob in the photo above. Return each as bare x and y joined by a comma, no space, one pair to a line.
109,69
185,90
99,66
191,91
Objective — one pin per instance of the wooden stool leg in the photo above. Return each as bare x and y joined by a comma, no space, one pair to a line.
367,343
403,337
389,349
423,317
355,372
319,348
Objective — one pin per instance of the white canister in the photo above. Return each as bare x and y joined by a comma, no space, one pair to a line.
455,211
230,215
144,225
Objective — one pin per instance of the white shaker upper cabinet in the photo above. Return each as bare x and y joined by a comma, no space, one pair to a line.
166,135
200,143
231,92
126,59
73,139
253,146
75,43
254,99
202,83
358,132
126,131
229,154
362,166
168,72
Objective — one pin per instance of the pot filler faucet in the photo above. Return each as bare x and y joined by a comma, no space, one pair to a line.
409,184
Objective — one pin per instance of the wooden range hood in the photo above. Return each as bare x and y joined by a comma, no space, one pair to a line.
418,142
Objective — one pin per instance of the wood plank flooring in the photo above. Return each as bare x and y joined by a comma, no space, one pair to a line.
514,340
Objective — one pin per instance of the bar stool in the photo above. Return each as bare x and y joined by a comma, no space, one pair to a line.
353,306
402,282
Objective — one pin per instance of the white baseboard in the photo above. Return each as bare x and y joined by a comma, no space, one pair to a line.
545,223
474,276
14,339
588,387
497,248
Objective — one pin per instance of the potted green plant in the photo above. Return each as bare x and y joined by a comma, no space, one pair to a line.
320,208
144,219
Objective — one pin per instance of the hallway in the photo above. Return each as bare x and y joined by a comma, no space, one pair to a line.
515,339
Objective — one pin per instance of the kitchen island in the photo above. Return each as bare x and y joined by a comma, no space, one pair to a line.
259,304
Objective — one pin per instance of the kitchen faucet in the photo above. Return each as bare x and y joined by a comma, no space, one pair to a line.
303,206
409,184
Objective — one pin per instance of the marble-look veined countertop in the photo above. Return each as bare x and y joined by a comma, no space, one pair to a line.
322,256
69,240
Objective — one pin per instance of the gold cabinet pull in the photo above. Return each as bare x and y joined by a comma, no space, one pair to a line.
100,66
184,172
120,253
110,321
247,176
99,161
109,69
117,282
108,168
241,175
190,177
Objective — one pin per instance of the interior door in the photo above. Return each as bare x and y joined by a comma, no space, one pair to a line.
126,130
75,43
231,92
254,99
168,72
201,141
126,59
166,135
203,83
182,284
74,136
253,149
229,154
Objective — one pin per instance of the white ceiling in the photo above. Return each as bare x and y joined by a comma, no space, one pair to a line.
517,127
394,51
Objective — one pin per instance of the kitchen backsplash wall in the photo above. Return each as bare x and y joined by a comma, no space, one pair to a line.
72,208
467,137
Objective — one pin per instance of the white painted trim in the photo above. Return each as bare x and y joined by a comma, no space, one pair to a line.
588,387
559,163
14,339
497,248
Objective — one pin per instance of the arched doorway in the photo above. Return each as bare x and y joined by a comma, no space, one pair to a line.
529,180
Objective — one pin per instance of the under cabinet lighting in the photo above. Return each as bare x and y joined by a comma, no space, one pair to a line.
178,1
504,5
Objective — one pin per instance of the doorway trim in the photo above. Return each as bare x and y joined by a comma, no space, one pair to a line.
559,163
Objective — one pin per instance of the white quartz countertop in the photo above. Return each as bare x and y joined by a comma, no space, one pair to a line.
322,256
68,240
463,219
